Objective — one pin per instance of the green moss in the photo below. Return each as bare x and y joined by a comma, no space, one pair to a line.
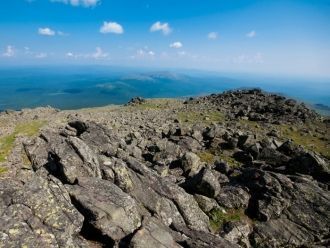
250,125
6,145
311,140
218,217
154,104
26,129
230,161
206,157
196,117
3,170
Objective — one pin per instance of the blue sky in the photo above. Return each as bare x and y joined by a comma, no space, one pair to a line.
273,36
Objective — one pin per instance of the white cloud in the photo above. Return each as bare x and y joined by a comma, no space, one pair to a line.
9,52
176,44
249,59
69,54
60,33
83,3
158,26
46,31
212,35
99,54
251,34
111,27
144,53
41,55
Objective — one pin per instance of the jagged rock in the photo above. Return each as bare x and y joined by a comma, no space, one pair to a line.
199,239
38,213
205,183
297,203
206,204
191,163
310,164
106,207
141,164
233,197
136,101
237,232
153,234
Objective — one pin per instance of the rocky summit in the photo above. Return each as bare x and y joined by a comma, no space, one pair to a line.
240,169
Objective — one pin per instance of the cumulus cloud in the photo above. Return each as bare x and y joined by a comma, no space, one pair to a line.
176,44
212,35
163,27
46,31
9,52
76,3
111,27
251,34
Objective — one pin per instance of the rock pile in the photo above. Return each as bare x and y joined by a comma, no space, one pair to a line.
92,186
256,105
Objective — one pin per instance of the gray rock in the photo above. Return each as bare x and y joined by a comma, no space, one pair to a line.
38,214
206,183
233,197
153,234
106,207
191,163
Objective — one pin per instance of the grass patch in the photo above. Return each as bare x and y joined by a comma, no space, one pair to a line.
155,104
26,129
233,163
250,125
218,217
195,117
3,170
206,157
211,155
309,140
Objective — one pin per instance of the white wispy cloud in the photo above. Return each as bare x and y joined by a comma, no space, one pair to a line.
41,55
69,55
46,31
50,32
60,33
212,35
83,3
9,51
249,59
251,34
176,44
111,27
163,27
99,54
144,53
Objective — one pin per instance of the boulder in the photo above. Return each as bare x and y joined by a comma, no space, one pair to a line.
106,207
191,163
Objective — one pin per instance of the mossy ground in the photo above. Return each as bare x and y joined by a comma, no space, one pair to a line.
218,217
206,157
3,170
307,137
155,104
197,117
210,156
28,129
